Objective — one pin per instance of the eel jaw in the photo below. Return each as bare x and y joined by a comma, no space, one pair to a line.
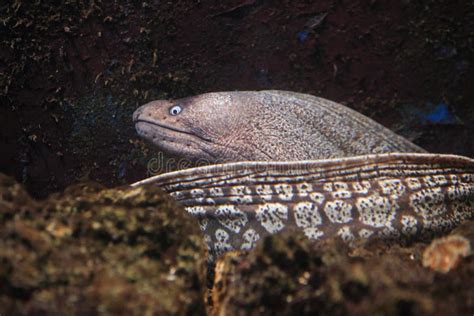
176,141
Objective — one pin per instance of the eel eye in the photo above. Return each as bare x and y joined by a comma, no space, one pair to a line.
175,110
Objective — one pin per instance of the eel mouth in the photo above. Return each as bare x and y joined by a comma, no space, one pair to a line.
174,140
166,127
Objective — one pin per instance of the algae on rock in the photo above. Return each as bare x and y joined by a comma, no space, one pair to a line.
124,251
287,274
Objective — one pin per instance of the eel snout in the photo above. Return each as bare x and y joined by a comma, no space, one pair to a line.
138,113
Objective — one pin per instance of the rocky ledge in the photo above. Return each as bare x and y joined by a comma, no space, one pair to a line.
91,251
287,274
133,251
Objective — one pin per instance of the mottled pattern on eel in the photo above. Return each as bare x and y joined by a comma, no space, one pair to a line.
391,196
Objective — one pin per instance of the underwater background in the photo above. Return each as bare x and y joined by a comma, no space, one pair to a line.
75,239
73,72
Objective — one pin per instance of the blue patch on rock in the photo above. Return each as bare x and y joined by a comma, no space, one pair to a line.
429,113
302,36
438,113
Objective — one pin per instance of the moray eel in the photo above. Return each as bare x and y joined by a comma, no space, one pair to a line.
262,126
397,197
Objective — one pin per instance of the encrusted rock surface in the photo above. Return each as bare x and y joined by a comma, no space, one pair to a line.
90,251
132,251
289,275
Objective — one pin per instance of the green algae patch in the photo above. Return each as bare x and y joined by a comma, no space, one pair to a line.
125,251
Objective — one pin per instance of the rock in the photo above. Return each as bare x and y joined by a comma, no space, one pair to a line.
287,274
124,251
132,251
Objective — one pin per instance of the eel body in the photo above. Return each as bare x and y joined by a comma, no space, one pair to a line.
397,196
262,126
